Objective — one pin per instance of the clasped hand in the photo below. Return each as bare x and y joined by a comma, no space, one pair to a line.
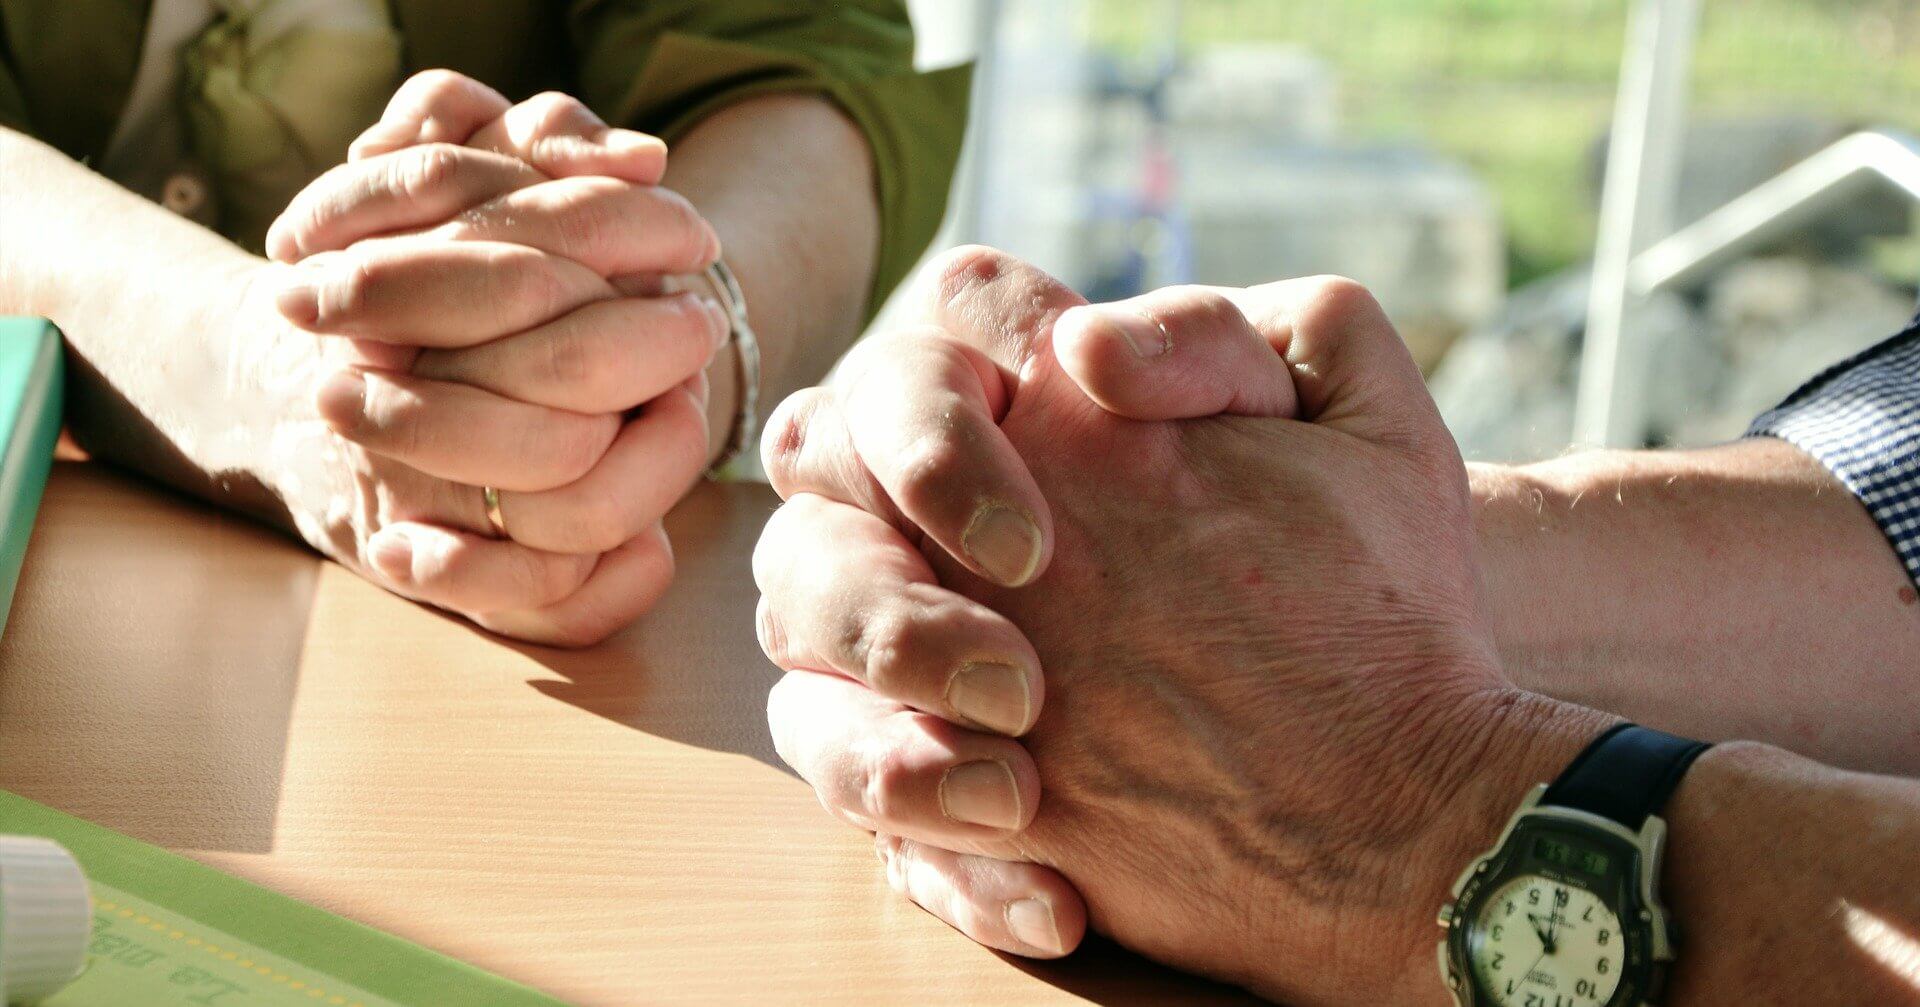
1207,555
488,289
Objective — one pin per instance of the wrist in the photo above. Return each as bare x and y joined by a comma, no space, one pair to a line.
1504,743
257,423
195,413
1533,558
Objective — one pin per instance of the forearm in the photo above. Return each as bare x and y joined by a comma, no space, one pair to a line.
1794,882
787,181
1733,592
140,295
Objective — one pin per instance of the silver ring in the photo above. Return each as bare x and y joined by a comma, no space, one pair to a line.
491,497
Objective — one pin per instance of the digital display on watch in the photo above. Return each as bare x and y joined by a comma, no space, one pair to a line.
1574,858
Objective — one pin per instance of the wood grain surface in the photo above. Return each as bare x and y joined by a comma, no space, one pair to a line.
609,825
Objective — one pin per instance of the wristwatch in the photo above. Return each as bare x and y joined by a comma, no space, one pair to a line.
1564,910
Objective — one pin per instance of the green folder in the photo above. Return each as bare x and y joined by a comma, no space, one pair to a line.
170,932
167,931
30,392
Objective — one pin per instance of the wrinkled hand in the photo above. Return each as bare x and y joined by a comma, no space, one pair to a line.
1272,707
496,275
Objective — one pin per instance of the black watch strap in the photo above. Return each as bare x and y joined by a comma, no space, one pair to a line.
1626,774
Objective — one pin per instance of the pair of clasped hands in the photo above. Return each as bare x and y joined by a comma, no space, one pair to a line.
1200,563
1158,618
503,285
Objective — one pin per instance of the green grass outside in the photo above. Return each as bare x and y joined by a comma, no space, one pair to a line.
1519,89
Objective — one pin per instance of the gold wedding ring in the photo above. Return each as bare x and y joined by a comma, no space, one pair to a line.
494,518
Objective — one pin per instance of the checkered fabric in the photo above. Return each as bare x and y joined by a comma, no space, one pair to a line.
1861,419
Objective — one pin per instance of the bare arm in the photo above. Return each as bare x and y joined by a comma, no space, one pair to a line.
150,305
1733,592
1795,881
799,221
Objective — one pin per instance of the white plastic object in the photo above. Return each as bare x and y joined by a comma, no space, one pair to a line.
44,918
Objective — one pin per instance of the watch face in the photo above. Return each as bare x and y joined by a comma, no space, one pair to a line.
1538,942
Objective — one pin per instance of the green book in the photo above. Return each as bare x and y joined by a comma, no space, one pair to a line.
171,932
30,393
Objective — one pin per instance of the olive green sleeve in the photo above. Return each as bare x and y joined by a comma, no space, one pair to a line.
13,107
660,65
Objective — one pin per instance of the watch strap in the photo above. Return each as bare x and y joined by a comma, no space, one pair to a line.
1625,774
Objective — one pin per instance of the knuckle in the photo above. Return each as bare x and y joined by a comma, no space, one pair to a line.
600,521
400,418
573,450
433,89
355,292
883,649
889,784
965,268
964,915
928,470
769,631
536,579
1206,307
785,440
525,278
587,219
427,170
1338,300
438,80
565,362
550,111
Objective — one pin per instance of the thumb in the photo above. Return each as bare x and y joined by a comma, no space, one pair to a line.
1348,363
1177,353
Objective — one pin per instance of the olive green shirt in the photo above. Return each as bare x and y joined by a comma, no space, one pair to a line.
67,66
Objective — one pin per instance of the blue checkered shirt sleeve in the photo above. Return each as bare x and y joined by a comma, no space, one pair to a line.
1861,419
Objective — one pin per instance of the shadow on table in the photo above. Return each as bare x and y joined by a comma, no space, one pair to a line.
150,663
1103,972
643,678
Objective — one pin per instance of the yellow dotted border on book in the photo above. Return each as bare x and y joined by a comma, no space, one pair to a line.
142,919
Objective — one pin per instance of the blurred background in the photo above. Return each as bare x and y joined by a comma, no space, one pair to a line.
1452,154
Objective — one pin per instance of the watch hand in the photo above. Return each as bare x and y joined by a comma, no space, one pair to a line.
1546,935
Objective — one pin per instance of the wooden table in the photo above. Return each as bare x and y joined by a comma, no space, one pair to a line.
610,826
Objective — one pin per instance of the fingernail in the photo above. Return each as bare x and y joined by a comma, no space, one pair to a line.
392,555
722,322
992,695
627,141
982,793
1147,337
1031,920
299,299
342,400
1004,542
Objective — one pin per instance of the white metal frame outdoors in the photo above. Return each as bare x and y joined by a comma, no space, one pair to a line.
1638,253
